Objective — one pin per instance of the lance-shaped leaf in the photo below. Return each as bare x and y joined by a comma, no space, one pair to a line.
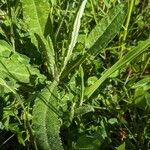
106,29
132,54
46,125
74,35
36,13
102,34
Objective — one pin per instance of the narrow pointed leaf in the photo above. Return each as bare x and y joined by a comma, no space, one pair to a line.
47,51
75,33
102,34
143,82
106,29
132,54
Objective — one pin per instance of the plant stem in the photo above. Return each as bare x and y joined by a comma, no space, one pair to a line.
11,17
28,128
82,85
145,66
94,14
130,8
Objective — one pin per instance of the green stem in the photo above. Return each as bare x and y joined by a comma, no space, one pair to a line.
148,61
94,14
130,8
11,17
82,85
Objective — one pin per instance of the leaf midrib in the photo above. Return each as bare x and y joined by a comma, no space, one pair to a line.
35,8
115,16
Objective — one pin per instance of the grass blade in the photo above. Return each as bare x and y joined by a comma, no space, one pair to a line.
118,65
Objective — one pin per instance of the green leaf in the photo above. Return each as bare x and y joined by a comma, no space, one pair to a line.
4,84
91,80
46,125
5,49
11,89
147,97
36,22
142,83
83,110
121,147
35,14
106,29
139,98
19,69
113,121
82,85
132,54
74,35
102,34
89,142
46,48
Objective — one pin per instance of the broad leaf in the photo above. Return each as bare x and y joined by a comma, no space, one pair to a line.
36,15
121,147
132,54
4,84
12,90
5,49
45,120
19,69
86,142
